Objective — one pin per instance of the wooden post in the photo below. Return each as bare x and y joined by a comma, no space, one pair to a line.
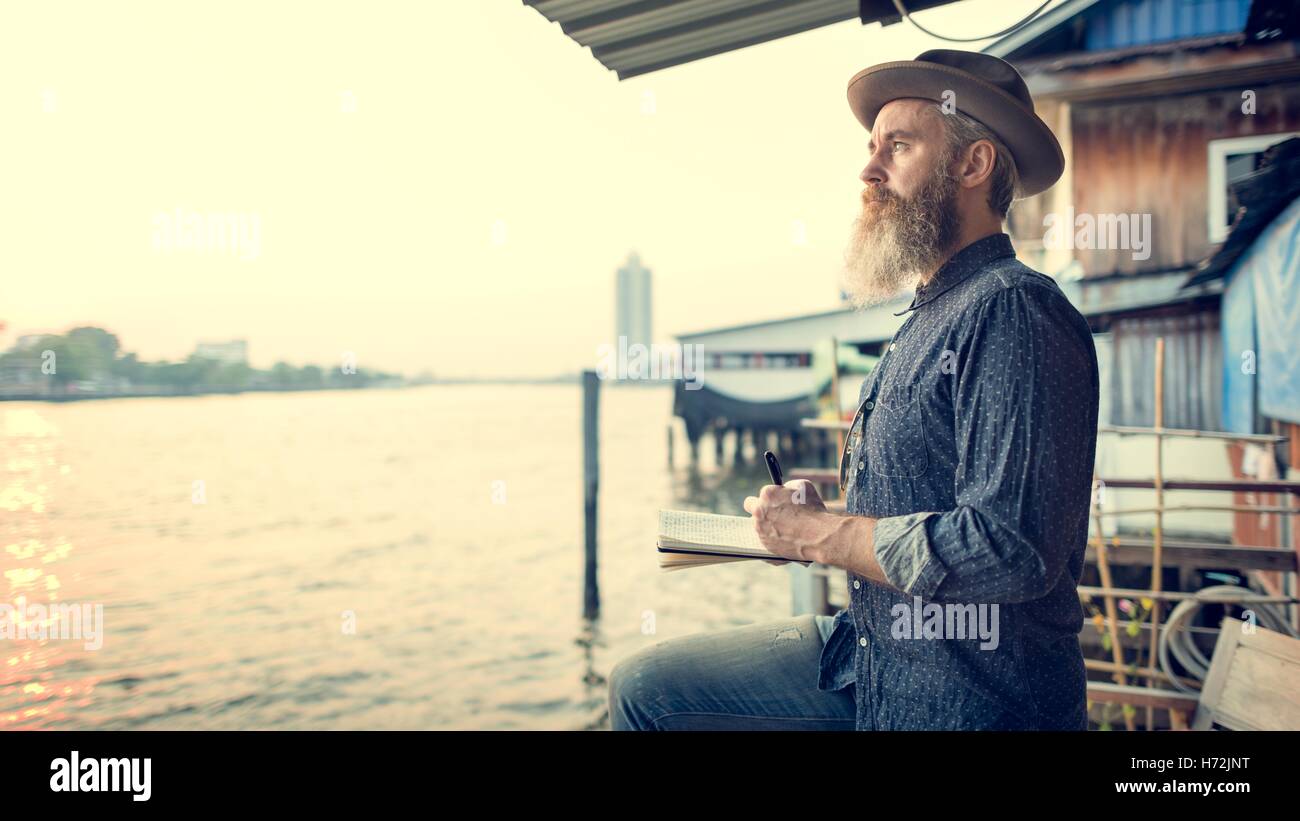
835,393
590,485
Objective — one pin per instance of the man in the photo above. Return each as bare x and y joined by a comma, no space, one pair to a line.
967,471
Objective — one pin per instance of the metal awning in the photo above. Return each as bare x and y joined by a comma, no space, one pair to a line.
634,37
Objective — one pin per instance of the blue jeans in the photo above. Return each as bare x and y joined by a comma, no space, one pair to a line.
756,677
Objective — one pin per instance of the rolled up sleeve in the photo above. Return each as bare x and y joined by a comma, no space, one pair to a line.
1025,405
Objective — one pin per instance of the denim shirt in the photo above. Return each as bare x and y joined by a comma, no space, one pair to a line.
974,451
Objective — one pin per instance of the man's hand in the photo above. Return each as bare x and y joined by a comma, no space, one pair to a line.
791,520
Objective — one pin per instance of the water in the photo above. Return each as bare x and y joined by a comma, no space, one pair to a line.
446,520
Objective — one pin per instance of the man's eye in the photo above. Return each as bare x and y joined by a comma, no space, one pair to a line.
899,146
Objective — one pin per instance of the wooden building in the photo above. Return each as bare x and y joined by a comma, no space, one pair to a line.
1161,106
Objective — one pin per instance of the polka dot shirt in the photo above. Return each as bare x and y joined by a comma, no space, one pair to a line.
973,447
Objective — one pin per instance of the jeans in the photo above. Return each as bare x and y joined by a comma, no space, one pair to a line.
756,677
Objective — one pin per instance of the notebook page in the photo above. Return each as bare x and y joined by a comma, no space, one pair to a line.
711,529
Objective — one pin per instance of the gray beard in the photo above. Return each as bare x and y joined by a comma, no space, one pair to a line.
903,241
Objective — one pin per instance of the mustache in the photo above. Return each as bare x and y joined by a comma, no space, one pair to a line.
878,193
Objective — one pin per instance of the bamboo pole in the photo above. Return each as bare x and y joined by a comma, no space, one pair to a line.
1112,615
1157,554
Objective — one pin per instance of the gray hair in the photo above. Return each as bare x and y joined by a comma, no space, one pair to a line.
1004,183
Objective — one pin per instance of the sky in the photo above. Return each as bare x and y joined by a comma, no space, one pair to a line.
446,186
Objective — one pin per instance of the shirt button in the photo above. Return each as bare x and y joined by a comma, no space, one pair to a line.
860,465
891,346
863,642
869,404
856,584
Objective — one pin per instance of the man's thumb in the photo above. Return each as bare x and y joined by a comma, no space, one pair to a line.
799,491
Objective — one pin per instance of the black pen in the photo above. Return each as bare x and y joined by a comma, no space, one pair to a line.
773,466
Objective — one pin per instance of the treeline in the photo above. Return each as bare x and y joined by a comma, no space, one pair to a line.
91,359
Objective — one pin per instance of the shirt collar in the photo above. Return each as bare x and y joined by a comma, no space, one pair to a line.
961,265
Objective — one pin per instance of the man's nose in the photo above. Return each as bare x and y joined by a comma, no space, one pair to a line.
873,174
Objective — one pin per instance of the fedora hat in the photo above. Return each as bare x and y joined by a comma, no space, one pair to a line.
982,87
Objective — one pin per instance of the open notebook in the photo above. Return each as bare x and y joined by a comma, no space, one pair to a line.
690,539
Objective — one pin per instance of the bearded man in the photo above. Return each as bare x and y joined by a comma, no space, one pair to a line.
967,469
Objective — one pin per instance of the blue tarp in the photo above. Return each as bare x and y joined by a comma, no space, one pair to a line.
1261,314
1240,356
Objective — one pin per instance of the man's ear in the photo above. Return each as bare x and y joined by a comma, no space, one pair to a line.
976,164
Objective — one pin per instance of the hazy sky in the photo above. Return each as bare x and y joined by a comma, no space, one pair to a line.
446,185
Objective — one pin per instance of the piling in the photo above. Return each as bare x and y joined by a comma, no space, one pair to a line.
590,485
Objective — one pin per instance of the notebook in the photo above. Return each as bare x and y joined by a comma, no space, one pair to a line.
691,539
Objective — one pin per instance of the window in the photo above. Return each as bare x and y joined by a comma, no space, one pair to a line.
757,359
1230,160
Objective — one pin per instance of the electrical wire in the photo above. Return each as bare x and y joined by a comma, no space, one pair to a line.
898,4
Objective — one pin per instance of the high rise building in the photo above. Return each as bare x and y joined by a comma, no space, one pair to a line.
633,302
234,352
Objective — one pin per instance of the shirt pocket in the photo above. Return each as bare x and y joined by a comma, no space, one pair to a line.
895,433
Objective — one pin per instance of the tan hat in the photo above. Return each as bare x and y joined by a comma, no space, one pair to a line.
982,87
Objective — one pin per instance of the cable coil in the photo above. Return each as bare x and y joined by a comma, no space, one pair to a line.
1180,643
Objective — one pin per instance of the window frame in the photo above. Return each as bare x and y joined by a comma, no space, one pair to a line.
1217,153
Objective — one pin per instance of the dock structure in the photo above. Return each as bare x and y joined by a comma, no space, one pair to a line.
757,381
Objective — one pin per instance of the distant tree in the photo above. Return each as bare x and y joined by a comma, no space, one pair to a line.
282,375
92,353
232,376
310,376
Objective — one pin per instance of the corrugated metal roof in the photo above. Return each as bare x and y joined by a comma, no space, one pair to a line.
1143,26
1013,44
634,37
1128,23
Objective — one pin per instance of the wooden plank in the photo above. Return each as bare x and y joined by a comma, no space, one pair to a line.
1104,692
1216,679
1177,433
1249,596
1253,685
1240,485
1176,555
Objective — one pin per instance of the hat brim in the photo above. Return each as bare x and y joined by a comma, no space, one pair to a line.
1034,147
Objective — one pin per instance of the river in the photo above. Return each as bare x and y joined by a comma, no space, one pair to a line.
375,559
